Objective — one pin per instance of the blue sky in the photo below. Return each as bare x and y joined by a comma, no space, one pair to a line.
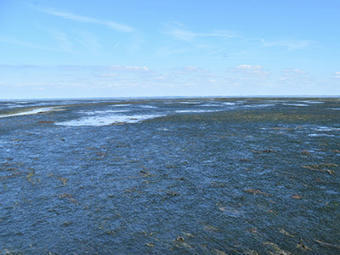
168,48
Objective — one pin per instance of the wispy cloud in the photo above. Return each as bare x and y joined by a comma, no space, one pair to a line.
187,35
75,42
84,19
249,67
63,40
89,41
289,44
337,75
130,68
251,70
295,75
21,43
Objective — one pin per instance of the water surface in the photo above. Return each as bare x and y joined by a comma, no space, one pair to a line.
170,176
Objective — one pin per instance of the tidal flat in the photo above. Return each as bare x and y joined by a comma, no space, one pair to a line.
170,176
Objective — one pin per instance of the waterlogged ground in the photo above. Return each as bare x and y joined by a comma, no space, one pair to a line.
172,176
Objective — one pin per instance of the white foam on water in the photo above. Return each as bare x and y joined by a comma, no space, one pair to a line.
241,101
276,101
9,106
209,105
121,105
41,104
32,111
104,120
322,131
315,135
312,102
258,105
2,142
147,106
218,104
102,112
190,102
195,111
291,104
326,129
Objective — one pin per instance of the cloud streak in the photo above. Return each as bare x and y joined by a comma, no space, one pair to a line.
187,35
289,44
63,40
251,70
21,43
179,32
84,19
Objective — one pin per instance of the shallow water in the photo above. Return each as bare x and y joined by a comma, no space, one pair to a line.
170,176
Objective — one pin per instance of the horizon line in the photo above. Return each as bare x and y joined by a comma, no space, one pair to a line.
172,97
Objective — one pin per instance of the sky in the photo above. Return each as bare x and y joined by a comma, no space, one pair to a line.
153,48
